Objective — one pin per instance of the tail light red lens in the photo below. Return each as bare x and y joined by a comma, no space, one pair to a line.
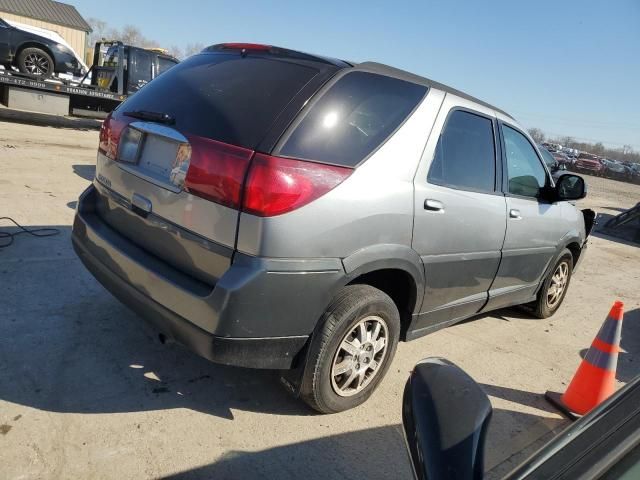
110,132
217,170
279,185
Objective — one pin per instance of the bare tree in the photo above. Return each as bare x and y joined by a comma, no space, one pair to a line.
100,30
598,149
537,135
131,35
176,51
192,49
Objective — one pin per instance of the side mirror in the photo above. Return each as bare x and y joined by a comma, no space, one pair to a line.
570,187
445,415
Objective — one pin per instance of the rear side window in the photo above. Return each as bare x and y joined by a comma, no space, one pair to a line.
352,119
140,73
225,97
465,154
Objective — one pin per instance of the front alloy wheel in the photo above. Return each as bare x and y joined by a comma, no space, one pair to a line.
558,284
555,286
37,64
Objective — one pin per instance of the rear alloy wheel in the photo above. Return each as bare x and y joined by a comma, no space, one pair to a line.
359,356
555,286
34,61
351,350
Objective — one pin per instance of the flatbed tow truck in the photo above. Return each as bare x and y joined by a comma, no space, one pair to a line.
117,71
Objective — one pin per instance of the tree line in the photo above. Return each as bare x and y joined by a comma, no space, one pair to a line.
131,35
626,153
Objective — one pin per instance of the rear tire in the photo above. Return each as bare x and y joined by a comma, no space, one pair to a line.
554,287
35,61
351,350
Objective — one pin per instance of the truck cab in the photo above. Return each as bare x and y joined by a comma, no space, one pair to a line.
125,69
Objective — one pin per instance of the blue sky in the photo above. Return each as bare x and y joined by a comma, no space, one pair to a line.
569,67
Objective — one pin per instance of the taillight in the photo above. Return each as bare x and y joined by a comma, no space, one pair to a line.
279,185
216,170
110,131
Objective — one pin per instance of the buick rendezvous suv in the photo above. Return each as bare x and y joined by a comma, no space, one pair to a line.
273,209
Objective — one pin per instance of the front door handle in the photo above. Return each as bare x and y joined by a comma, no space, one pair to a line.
433,205
513,213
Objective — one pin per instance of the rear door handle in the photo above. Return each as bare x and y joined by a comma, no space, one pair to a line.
513,213
433,205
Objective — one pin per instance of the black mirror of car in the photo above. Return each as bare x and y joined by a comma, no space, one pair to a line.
570,187
445,415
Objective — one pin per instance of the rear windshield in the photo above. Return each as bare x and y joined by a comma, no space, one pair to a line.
226,97
352,119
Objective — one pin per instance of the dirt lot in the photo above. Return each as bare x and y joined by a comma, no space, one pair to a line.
87,392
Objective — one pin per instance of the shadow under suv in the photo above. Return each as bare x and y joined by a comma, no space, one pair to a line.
272,209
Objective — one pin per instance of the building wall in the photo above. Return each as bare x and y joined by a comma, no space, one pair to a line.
76,38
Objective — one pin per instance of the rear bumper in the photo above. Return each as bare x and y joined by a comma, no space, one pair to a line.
259,314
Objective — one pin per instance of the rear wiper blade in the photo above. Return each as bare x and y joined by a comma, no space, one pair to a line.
152,116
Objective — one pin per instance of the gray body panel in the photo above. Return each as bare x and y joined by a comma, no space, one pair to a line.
460,245
210,220
530,244
273,297
197,269
374,206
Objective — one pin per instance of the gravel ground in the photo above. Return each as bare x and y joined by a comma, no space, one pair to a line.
87,392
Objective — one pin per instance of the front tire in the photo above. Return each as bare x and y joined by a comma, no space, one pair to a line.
351,350
554,287
34,61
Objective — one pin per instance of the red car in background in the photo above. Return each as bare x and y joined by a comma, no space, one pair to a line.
588,163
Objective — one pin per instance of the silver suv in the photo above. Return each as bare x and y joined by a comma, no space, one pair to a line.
272,209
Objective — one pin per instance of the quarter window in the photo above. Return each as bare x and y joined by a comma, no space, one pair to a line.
526,174
465,154
353,118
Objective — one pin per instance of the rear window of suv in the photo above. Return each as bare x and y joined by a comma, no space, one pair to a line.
353,118
225,97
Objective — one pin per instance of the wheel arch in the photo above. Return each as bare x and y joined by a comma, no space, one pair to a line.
571,242
397,270
33,44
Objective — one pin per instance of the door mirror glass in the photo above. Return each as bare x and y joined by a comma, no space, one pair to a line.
571,187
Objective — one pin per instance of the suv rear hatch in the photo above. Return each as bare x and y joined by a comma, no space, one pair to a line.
174,157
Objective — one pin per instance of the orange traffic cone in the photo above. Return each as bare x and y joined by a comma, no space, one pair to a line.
595,379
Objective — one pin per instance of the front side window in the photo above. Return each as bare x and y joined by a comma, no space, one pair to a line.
526,174
465,154
353,118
